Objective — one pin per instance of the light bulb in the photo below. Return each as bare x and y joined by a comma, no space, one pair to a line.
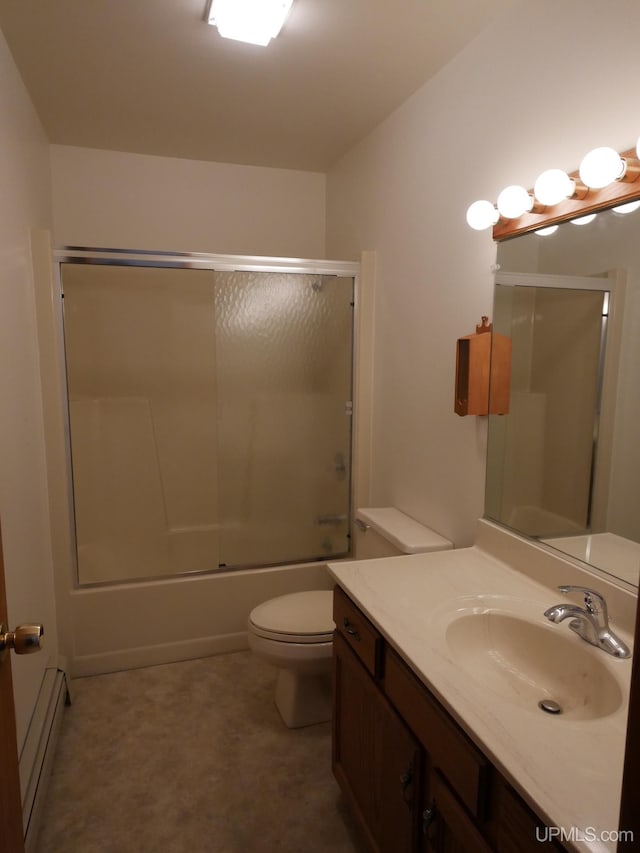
553,186
513,201
584,220
638,148
481,215
545,232
629,207
601,167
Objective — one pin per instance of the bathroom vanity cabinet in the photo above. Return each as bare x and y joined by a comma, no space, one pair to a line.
414,781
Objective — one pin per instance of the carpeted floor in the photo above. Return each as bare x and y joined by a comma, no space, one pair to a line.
191,757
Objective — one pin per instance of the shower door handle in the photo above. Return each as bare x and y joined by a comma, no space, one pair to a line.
331,520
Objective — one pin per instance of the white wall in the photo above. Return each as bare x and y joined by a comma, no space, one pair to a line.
541,87
133,201
25,203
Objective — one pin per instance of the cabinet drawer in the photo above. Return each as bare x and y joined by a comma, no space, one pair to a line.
449,749
356,629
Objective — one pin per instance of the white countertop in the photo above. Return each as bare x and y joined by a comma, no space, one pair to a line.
569,770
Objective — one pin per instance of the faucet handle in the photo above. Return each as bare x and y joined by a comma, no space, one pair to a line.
589,596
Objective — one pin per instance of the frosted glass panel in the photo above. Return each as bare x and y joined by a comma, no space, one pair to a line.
283,355
209,418
141,382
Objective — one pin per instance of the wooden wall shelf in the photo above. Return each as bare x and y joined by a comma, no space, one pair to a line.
483,372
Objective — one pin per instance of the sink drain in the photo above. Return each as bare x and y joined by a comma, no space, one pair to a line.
549,706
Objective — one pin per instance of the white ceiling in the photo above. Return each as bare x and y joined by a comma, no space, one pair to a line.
150,76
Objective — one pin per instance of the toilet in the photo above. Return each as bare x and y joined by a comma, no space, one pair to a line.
294,632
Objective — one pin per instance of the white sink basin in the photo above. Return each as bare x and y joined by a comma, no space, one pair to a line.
525,662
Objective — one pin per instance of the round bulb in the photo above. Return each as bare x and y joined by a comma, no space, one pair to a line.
601,167
630,207
553,186
638,148
481,215
584,220
545,232
514,201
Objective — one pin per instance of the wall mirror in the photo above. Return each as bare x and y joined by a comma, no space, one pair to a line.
564,465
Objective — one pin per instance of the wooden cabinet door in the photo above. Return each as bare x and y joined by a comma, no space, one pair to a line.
11,838
375,759
400,785
447,826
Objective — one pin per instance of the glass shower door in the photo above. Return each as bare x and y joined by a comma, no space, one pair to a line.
142,401
284,390
209,417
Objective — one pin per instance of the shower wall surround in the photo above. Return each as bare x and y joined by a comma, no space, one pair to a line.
209,415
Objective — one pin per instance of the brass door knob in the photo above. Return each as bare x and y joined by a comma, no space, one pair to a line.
25,640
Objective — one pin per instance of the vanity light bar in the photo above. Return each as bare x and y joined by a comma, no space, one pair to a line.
605,178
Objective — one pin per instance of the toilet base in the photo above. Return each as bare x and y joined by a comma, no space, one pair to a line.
304,699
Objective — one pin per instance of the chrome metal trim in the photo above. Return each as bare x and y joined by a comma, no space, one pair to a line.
567,282
151,580
66,413
203,260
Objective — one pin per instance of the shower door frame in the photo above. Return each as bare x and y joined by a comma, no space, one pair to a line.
213,263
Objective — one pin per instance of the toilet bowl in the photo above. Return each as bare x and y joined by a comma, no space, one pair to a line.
294,632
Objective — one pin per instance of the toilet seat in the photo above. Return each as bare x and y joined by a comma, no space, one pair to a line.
299,617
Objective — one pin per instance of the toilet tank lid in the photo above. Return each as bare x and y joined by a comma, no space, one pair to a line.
404,532
308,612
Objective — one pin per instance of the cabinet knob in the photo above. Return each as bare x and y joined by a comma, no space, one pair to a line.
429,816
351,631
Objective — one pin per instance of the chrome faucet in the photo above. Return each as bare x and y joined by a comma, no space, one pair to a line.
590,622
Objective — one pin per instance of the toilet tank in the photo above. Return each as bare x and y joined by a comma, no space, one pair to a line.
387,532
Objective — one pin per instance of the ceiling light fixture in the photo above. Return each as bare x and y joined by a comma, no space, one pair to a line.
252,21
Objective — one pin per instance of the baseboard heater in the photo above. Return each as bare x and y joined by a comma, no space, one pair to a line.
37,753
